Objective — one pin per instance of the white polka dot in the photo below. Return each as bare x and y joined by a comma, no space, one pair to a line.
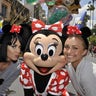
27,74
55,28
55,83
23,71
38,25
25,81
62,73
54,88
61,86
61,81
25,66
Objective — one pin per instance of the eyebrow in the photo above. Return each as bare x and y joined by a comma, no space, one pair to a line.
38,38
55,39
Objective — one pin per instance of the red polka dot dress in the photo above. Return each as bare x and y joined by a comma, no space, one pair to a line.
55,86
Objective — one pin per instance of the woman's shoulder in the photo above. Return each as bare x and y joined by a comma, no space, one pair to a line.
90,59
90,66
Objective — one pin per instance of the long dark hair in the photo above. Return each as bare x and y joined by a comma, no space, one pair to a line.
6,39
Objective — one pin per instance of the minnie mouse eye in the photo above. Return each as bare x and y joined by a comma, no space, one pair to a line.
39,49
51,50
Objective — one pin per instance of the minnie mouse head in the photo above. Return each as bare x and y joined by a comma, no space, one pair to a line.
44,48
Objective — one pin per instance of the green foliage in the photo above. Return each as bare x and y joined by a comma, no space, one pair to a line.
94,31
92,39
91,7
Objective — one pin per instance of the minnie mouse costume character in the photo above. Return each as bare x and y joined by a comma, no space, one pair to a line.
42,72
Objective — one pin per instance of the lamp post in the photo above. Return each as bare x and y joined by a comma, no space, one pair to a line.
93,11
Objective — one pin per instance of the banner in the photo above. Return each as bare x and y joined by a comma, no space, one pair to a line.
81,23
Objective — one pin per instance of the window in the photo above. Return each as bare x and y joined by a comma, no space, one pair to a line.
4,10
36,11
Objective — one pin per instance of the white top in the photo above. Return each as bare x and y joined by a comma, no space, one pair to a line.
84,78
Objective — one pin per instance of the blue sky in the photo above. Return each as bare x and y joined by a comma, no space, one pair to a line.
84,4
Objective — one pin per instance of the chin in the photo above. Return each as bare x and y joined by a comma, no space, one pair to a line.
14,60
69,60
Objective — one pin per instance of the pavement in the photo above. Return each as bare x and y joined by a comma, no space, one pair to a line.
19,90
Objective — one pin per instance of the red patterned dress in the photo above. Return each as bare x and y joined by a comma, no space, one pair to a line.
56,84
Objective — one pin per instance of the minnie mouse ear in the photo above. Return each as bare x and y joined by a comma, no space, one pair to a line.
64,33
6,29
65,29
86,32
25,34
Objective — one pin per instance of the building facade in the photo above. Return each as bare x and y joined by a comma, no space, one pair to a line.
13,11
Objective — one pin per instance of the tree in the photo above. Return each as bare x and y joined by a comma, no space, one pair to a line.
92,38
87,17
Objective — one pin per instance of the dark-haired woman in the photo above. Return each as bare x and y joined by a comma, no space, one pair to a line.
11,44
81,68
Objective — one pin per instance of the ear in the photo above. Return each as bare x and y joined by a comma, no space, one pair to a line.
85,52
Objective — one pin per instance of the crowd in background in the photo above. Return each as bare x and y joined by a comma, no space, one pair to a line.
92,50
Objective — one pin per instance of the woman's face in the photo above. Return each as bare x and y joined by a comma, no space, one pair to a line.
13,51
74,50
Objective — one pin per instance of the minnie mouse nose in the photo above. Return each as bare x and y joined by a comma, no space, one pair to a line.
44,57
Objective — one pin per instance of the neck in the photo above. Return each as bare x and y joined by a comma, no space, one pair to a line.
75,64
4,65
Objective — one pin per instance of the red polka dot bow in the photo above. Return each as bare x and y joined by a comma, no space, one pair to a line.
39,25
15,29
73,30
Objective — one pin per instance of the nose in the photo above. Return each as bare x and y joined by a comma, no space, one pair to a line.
69,50
44,57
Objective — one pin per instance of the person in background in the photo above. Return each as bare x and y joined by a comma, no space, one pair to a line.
1,24
11,45
81,68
